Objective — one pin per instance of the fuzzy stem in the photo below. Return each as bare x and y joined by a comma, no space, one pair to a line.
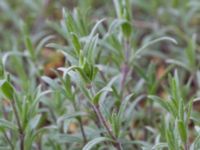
125,68
80,123
124,71
186,146
82,131
103,121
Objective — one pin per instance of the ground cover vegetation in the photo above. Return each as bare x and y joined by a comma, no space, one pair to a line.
106,75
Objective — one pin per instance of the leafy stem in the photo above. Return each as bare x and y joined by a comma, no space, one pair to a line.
125,66
8,140
103,121
21,132
81,124
82,130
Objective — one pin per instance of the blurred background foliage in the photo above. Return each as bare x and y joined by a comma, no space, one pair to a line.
28,25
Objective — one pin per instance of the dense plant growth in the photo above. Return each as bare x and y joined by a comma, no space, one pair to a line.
121,74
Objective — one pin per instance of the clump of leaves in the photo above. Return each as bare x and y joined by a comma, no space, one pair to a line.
92,86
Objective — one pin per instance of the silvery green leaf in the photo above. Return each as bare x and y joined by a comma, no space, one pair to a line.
35,121
95,141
